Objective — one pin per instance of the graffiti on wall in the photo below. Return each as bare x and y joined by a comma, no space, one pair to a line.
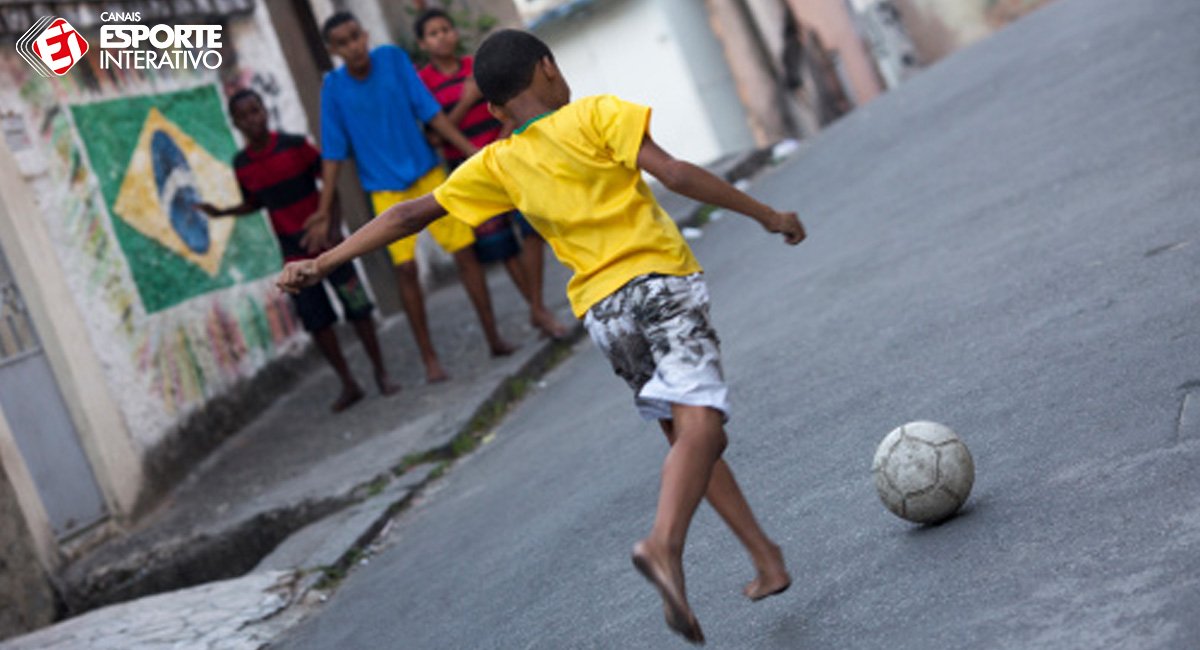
178,310
156,157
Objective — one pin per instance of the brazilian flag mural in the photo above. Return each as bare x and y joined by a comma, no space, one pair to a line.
156,156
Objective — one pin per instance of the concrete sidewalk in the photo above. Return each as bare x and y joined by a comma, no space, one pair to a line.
297,462
266,525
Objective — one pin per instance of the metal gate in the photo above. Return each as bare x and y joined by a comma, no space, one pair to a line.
34,408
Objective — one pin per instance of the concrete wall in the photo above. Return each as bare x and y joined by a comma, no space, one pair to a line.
661,53
882,29
170,329
26,600
531,9
704,55
941,27
474,18
832,20
752,38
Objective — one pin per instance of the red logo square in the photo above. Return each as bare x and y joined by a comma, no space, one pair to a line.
52,46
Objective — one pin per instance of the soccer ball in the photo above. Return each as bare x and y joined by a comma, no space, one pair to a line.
923,472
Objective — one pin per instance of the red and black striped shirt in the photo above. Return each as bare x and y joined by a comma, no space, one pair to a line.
282,177
477,125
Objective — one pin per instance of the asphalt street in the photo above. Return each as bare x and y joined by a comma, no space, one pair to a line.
1007,244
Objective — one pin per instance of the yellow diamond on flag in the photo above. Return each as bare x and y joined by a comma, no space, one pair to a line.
167,176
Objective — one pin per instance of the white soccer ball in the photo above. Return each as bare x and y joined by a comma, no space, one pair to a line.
923,472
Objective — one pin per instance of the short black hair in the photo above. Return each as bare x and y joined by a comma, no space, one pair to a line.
336,20
240,95
426,16
505,62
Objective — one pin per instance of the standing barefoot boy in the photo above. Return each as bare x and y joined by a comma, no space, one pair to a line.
279,171
449,78
574,170
373,109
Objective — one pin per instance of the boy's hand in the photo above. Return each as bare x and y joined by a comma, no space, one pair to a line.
316,232
297,275
788,225
208,208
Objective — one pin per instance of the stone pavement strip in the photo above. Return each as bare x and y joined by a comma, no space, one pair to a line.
246,612
325,544
239,614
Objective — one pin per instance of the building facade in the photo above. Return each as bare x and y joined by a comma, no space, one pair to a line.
125,312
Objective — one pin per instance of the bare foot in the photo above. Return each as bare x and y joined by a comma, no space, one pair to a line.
385,384
656,568
772,576
350,395
545,322
502,348
435,374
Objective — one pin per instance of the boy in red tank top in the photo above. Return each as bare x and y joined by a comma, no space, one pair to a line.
449,79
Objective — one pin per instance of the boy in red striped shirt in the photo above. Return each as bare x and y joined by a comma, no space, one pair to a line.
278,171
449,79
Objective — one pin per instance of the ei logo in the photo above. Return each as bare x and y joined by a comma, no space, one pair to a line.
52,46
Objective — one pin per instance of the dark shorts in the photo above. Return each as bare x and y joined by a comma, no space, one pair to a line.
523,225
494,239
315,310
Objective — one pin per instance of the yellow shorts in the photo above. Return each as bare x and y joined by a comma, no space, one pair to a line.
450,233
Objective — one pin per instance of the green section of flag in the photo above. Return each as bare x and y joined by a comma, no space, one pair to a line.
110,131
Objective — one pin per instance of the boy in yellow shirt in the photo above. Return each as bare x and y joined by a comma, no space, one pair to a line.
574,170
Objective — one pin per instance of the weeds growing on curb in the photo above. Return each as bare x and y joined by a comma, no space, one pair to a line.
335,573
703,215
375,487
489,414
477,429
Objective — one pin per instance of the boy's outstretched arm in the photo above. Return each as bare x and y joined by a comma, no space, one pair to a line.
702,185
451,134
470,95
238,210
320,224
397,222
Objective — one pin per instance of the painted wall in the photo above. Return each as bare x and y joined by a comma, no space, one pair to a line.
940,27
178,309
667,58
755,66
833,21
770,15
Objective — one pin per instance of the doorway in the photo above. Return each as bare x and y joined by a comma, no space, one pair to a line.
36,413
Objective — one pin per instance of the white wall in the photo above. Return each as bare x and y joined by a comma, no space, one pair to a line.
649,51
692,25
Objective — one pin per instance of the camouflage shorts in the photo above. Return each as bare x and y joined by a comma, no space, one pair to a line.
655,331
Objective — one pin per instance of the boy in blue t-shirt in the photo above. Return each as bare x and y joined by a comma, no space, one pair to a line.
373,109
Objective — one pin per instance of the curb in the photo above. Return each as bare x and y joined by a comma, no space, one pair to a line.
187,561
325,564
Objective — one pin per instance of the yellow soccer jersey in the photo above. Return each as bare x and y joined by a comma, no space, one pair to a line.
573,173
